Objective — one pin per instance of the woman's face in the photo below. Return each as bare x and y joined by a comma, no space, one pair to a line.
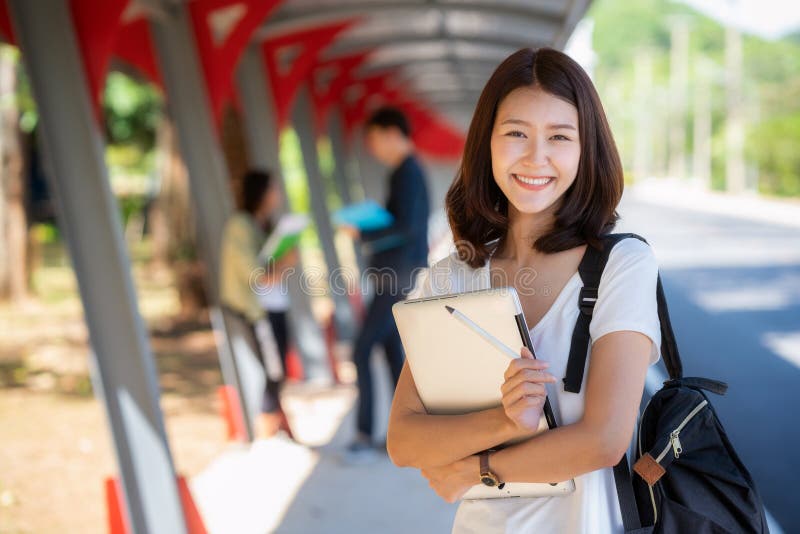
271,200
535,148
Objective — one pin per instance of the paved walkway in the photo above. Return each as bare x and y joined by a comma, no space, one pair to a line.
278,486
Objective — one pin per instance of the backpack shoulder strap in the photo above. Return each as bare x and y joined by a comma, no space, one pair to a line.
591,270
631,520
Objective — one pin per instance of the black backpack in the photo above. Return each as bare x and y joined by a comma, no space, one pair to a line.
688,476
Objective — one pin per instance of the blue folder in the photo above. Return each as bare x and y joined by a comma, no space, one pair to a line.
366,216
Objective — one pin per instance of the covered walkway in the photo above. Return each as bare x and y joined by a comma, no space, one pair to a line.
317,67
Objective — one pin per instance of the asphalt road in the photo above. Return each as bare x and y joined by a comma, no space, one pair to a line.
733,287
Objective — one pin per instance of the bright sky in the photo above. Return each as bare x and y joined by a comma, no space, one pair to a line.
767,18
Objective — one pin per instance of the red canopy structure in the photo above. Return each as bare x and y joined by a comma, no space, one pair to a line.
6,31
290,59
298,59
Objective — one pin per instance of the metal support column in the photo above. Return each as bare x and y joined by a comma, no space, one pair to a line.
343,171
302,118
126,377
261,134
189,106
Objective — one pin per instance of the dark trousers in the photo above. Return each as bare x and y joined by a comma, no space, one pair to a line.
281,330
271,402
378,327
239,325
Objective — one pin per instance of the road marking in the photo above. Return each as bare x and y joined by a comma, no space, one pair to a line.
653,382
784,344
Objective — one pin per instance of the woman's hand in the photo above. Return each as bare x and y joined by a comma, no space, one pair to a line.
351,231
452,481
524,390
288,260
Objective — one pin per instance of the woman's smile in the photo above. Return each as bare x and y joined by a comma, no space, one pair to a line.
533,183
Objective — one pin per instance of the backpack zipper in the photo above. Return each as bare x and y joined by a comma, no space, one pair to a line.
674,442
674,436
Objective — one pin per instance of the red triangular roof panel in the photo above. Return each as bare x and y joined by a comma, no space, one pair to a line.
289,60
135,47
223,29
6,30
96,25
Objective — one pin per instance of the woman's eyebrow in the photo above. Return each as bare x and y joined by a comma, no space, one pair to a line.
516,121
560,126
563,126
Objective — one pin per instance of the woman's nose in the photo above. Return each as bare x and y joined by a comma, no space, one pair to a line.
536,153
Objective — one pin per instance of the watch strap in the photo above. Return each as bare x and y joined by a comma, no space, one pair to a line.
484,462
487,470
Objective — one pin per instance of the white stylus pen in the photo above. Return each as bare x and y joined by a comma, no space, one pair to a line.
502,347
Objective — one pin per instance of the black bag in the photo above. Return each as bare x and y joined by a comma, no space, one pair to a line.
688,476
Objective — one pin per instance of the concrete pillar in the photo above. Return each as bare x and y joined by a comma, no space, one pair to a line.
125,377
302,119
343,171
262,136
209,184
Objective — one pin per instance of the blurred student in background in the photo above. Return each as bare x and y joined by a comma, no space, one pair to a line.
394,254
244,277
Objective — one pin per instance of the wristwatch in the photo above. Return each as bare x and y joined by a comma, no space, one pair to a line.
489,477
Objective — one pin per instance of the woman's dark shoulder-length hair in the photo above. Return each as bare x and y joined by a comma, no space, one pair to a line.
255,183
476,207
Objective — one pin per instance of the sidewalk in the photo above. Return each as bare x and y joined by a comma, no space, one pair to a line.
278,486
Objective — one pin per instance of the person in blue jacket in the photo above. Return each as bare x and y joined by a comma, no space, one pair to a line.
395,253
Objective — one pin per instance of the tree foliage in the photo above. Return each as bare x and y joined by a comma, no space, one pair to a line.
771,83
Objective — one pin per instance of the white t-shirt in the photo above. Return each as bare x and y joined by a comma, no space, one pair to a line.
626,301
274,297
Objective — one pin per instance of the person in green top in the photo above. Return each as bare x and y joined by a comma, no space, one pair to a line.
242,275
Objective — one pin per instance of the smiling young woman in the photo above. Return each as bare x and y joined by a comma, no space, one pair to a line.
588,189
539,182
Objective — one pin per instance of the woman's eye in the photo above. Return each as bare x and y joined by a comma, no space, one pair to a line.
515,133
559,137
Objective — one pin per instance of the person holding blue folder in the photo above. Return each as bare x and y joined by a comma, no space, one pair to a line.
395,252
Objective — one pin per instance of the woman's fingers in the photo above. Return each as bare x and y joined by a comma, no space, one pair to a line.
517,410
523,389
527,375
519,364
525,403
526,413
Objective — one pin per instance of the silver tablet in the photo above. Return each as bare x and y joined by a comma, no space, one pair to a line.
457,371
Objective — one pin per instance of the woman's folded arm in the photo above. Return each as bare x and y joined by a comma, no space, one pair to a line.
418,439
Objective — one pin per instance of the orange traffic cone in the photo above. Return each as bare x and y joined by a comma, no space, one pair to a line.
118,519
194,521
294,366
231,411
